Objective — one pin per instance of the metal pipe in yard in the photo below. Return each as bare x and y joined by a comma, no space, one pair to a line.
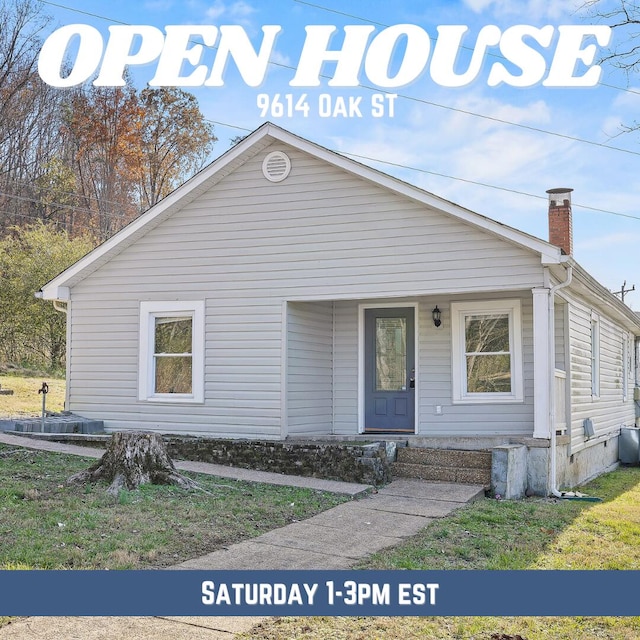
44,389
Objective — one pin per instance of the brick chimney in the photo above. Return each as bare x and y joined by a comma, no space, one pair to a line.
560,225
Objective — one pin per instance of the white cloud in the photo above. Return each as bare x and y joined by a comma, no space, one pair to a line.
628,99
280,58
238,11
158,5
609,241
533,9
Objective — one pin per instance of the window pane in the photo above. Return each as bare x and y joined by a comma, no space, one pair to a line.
173,335
391,354
489,374
173,374
487,333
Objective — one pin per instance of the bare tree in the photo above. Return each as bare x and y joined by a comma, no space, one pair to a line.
102,134
176,142
623,17
29,111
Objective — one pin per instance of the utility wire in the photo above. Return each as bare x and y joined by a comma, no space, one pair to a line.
489,53
406,167
483,184
73,194
58,223
411,98
60,205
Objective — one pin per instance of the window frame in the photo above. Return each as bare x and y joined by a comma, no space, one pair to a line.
149,311
459,312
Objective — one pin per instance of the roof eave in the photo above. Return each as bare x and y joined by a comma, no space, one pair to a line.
268,132
605,298
54,289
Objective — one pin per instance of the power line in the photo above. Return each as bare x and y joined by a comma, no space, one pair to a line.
73,194
489,53
483,184
58,223
412,98
429,103
60,205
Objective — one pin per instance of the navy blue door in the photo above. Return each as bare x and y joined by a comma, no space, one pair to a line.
389,393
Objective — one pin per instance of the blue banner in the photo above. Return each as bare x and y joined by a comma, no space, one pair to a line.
306,593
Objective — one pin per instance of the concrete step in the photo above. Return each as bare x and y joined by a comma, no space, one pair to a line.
441,473
445,465
454,458
58,423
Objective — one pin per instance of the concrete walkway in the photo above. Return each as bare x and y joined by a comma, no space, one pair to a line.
334,539
340,537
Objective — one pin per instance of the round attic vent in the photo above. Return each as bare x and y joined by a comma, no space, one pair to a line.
276,166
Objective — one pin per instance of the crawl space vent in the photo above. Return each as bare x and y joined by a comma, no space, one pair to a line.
276,166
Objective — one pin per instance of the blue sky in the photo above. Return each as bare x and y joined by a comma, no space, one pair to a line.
454,132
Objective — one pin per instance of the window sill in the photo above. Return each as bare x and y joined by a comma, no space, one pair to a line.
489,400
172,400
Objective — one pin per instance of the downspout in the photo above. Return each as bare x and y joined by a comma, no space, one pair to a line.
63,309
57,307
552,367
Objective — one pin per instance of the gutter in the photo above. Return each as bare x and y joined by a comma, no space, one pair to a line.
552,366
57,307
56,303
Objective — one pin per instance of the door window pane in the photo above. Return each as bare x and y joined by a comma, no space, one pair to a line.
391,354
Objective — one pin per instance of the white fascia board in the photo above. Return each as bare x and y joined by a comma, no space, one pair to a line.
53,290
190,189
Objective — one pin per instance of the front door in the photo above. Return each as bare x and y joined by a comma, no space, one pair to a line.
389,370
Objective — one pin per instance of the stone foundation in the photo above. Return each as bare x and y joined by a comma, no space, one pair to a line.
366,463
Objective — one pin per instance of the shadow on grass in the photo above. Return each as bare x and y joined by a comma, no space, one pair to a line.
530,533
535,533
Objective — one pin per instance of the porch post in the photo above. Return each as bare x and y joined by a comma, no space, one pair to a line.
541,364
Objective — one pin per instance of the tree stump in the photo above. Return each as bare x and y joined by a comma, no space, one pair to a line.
132,459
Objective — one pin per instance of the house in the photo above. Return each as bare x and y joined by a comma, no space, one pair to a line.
289,292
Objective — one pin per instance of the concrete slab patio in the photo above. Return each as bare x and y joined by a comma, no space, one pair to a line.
335,539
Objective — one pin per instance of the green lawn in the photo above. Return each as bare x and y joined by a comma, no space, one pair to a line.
47,524
535,533
26,401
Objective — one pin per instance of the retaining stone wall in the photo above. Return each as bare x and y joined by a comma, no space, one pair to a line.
366,464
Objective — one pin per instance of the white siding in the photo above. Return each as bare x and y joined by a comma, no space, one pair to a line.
559,334
309,368
433,376
247,245
608,411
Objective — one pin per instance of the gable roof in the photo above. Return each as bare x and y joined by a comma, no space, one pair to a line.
267,134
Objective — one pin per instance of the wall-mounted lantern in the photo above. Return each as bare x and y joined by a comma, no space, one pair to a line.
436,313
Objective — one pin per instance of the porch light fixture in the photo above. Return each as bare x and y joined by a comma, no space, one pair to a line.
436,313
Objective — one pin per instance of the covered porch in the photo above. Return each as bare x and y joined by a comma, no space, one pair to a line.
486,372
519,392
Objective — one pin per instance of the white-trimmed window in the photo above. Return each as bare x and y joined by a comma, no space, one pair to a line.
487,351
595,355
171,351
